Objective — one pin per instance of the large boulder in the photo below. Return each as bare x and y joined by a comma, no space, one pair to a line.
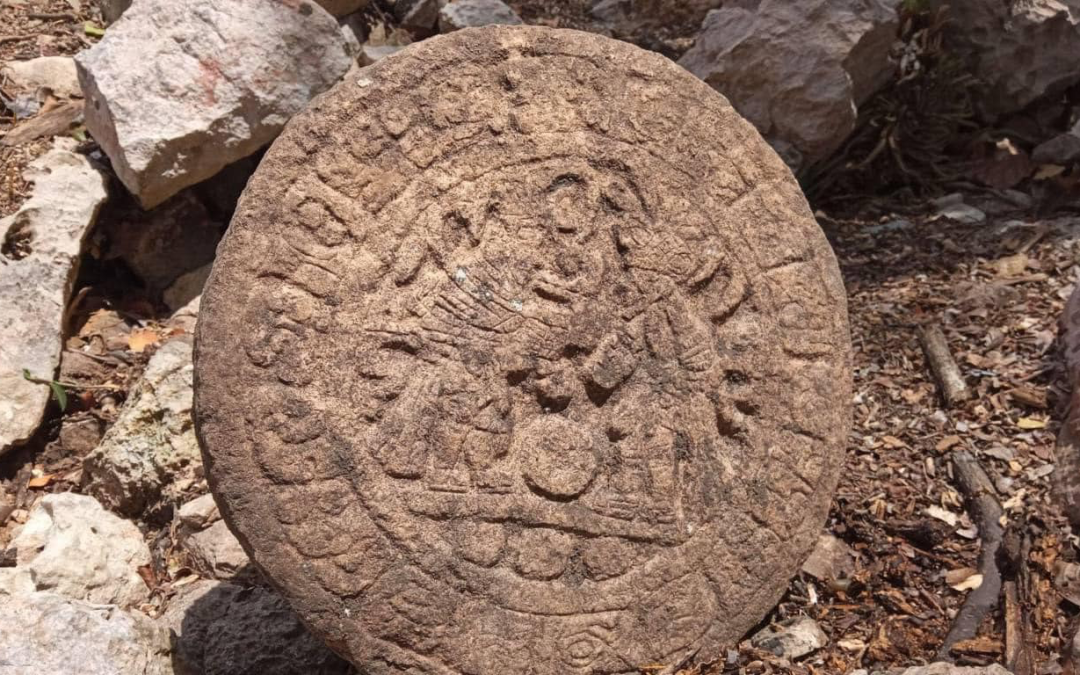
151,450
39,258
181,88
1019,49
72,546
48,633
225,629
797,69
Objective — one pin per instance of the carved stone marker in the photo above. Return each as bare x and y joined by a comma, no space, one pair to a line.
524,354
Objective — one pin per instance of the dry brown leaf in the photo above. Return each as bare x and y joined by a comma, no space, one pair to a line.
40,481
947,442
140,339
1030,423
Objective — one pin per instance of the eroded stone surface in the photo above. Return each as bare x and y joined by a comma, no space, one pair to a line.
524,348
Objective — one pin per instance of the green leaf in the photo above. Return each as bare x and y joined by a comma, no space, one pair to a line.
60,394
93,30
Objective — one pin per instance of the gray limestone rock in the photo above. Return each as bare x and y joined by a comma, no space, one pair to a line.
48,634
225,629
181,88
72,546
40,247
1019,49
152,445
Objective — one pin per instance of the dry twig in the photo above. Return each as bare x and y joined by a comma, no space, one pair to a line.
950,380
985,510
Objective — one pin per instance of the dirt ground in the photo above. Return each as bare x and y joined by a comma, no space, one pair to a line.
996,289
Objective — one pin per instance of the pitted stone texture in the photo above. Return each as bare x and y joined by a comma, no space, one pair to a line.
524,349
179,89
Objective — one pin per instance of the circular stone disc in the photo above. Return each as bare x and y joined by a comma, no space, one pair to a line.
524,354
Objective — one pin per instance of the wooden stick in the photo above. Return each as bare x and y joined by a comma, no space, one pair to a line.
986,512
949,378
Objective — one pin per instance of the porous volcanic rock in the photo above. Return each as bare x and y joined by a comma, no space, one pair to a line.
225,629
179,89
524,348
797,69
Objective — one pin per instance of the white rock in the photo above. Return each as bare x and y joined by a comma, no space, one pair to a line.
792,638
831,560
186,288
185,318
44,633
216,553
152,445
962,213
1019,50
199,513
224,629
72,546
55,73
797,69
39,257
475,13
179,89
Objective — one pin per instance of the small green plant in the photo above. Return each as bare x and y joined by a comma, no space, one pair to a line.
58,390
